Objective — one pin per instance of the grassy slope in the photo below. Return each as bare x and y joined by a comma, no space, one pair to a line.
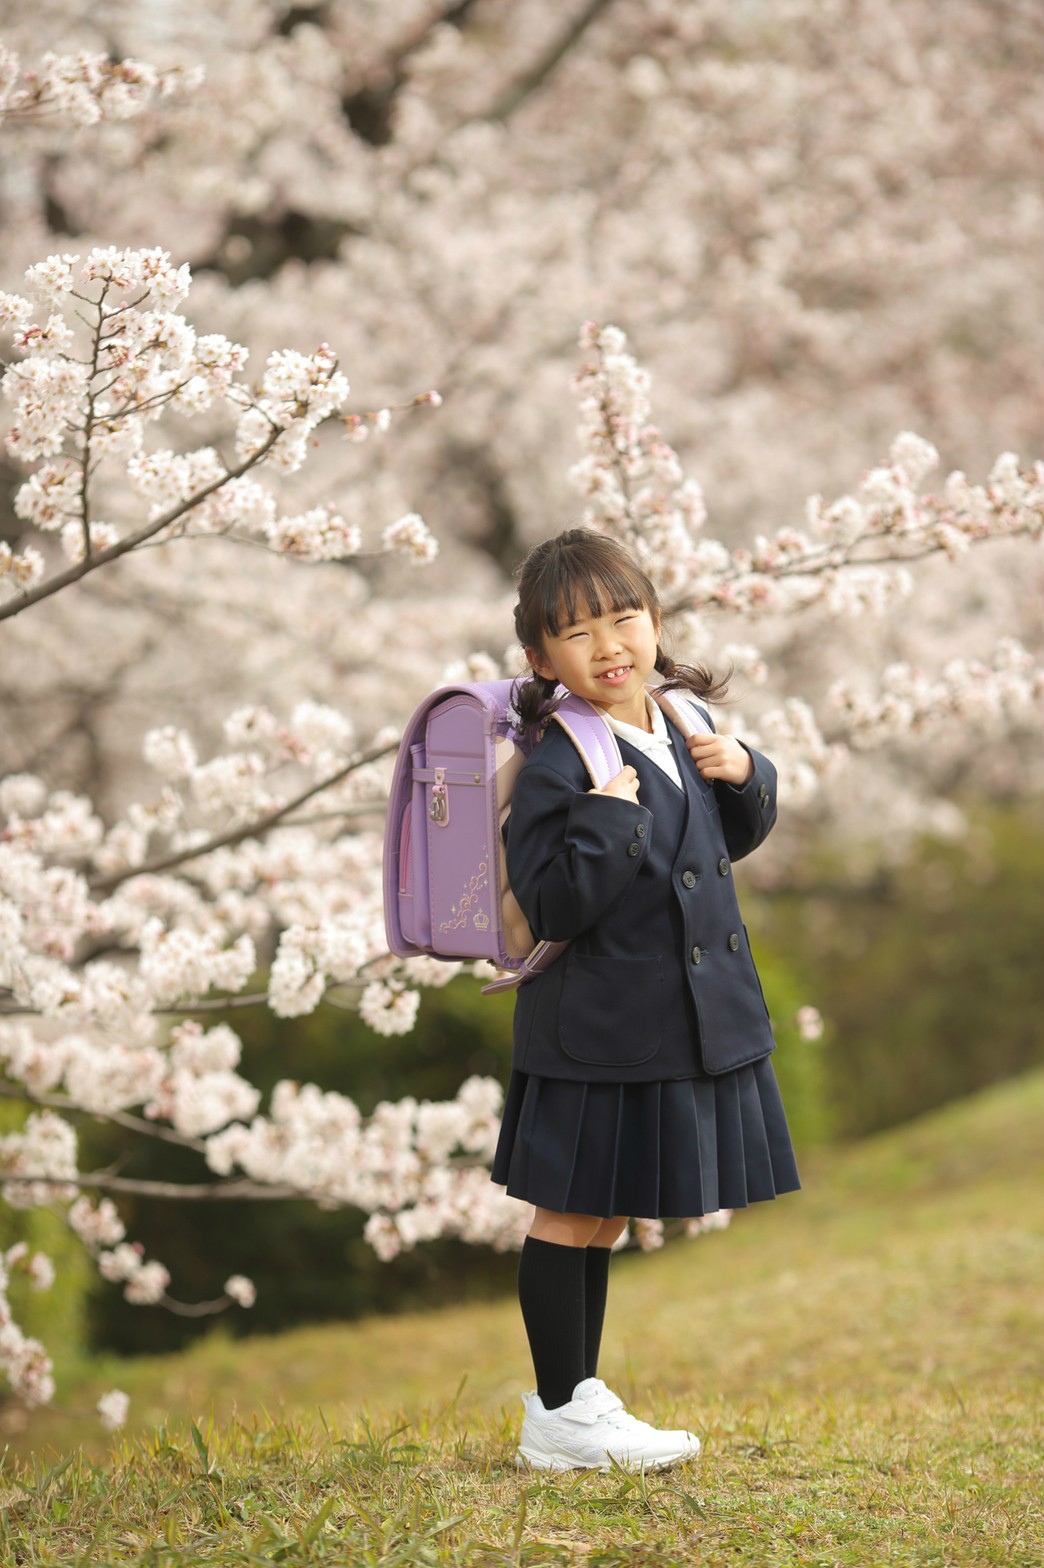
863,1361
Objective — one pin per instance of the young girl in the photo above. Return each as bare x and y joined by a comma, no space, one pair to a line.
641,1082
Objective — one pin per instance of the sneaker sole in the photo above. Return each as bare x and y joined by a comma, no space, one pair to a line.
533,1461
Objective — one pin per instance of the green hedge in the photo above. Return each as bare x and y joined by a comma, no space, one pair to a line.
801,1065
56,1316
930,980
311,1265
929,983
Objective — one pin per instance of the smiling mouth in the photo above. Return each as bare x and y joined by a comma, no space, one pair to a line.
616,675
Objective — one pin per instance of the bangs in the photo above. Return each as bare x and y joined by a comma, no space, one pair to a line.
583,589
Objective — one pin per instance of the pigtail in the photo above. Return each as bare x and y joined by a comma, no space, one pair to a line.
692,677
534,701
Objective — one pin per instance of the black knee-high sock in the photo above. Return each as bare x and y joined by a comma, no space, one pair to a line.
551,1295
596,1288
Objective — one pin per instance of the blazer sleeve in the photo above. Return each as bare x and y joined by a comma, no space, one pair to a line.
748,811
570,854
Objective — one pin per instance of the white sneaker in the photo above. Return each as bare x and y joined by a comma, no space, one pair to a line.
591,1430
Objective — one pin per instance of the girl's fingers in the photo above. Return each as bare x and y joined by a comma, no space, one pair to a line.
707,759
625,784
707,749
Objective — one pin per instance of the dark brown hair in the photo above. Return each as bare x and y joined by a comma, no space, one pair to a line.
576,574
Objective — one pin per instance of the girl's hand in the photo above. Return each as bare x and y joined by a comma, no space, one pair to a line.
720,757
624,786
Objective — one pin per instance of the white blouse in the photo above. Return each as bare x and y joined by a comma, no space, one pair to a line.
657,746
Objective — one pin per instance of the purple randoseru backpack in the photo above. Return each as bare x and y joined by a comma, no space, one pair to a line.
446,892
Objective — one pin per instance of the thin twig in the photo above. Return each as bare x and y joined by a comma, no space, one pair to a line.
200,1191
215,1004
194,1309
61,1102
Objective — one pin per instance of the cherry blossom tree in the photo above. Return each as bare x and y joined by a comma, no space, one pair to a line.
460,218
185,919
819,223
854,561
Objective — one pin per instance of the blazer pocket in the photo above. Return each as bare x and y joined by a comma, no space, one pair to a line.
611,1010
753,965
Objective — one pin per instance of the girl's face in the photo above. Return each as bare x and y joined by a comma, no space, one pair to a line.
604,658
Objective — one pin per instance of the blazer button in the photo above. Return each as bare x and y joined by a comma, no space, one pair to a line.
734,941
634,849
689,878
639,831
697,954
723,866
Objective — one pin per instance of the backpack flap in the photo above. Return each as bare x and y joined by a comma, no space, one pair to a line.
442,848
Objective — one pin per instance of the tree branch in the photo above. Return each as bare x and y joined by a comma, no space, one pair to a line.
61,1102
130,541
105,884
88,429
515,95
829,558
815,565
218,1004
200,1191
368,99
194,1309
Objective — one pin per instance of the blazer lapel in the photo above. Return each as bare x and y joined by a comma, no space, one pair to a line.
696,786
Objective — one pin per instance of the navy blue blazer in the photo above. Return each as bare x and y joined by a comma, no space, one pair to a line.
658,980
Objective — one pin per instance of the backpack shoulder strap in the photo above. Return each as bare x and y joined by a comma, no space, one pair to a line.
597,744
681,707
594,740
600,753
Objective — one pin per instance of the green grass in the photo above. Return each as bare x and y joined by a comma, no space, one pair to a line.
862,1360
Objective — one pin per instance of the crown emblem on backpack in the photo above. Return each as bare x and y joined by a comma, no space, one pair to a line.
481,921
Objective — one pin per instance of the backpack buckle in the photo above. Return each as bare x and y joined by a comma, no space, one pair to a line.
438,811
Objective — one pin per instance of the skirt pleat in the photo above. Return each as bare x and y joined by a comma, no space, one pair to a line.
673,1148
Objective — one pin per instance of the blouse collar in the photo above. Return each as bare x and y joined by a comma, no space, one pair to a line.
659,740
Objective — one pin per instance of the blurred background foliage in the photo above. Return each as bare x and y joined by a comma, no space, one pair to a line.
311,1265
929,981
57,1316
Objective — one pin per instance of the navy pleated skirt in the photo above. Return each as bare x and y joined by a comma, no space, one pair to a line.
667,1149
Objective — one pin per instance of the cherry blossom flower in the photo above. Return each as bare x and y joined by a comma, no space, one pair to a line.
113,1408
241,1290
411,536
809,1023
